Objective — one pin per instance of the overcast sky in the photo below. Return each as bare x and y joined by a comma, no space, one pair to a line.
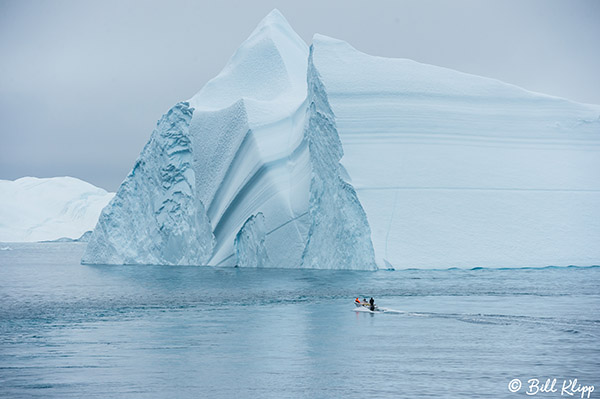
83,83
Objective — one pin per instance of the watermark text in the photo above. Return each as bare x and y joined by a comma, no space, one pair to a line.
568,387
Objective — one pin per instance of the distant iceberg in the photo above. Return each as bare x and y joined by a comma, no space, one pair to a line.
325,157
48,209
85,237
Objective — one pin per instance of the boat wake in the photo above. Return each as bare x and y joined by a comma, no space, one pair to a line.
378,310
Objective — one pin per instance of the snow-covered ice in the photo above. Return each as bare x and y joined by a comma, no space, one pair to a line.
331,158
460,170
34,209
248,145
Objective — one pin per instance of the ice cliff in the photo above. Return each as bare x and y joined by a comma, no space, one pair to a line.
33,209
339,235
459,170
156,216
330,158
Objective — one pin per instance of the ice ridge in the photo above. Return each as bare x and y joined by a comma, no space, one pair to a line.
339,235
156,216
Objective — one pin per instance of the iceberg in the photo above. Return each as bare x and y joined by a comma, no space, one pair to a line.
34,209
325,157
250,177
456,170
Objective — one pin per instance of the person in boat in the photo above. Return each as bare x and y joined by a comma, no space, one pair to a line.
357,300
372,304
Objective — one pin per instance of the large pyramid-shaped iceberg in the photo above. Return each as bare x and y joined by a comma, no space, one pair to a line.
234,176
330,158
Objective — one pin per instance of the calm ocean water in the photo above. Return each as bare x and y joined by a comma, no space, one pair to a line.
73,331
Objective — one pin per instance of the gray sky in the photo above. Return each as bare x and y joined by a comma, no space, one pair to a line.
83,83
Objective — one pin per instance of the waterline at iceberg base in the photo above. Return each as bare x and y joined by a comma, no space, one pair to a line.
325,157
